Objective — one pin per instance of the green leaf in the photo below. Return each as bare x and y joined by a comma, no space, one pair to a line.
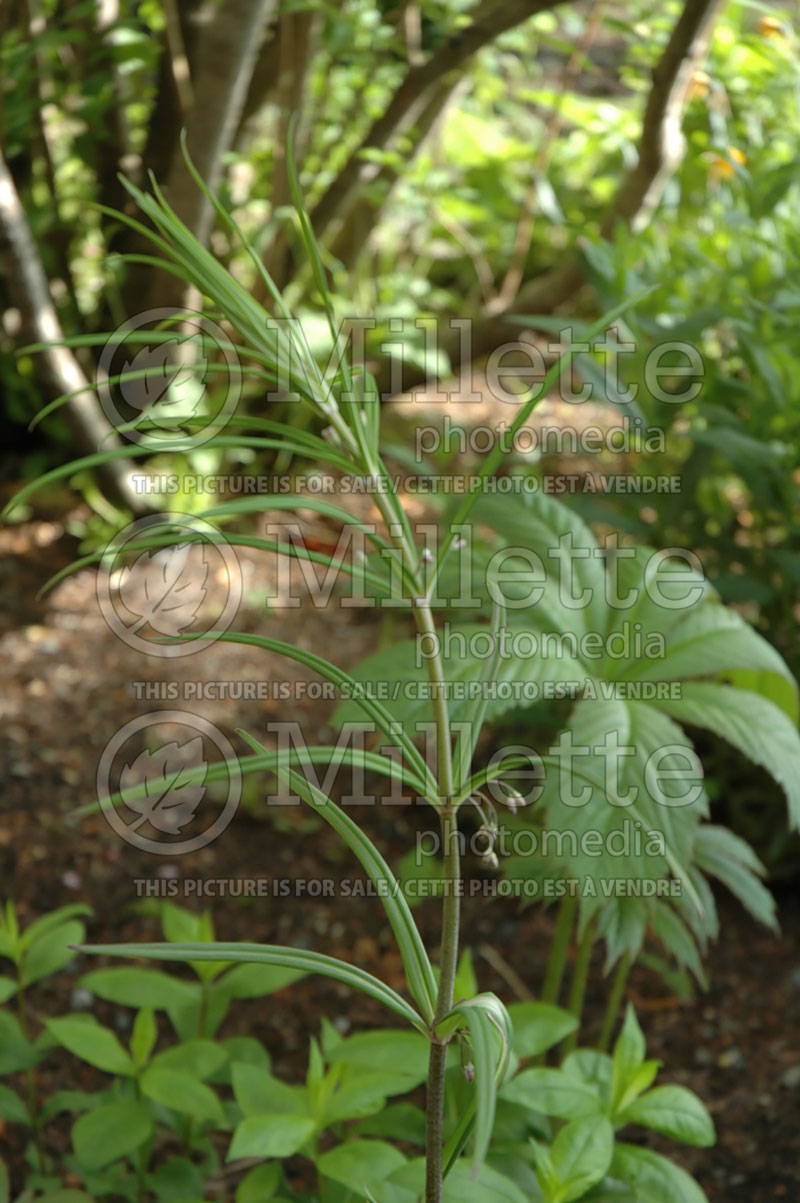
51,951
179,1090
360,1163
270,954
732,861
258,1092
398,1121
552,1092
110,1132
538,1027
140,988
56,918
200,1058
387,1050
708,640
489,1027
12,1107
628,1056
675,1112
754,725
8,988
419,971
654,1179
143,1037
5,1186
260,1183
580,1156
461,1186
254,981
270,1136
16,1051
89,1040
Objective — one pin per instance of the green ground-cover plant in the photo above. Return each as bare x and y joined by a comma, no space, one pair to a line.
576,1155
166,1108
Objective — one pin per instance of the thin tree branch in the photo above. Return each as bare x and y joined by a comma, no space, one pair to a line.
492,18
660,151
58,368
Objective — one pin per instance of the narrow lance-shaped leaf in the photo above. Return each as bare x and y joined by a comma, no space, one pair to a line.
270,954
419,971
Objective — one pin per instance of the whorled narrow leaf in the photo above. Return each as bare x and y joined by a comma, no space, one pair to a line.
419,971
490,1034
269,954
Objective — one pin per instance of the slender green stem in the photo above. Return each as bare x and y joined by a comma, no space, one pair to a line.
557,960
614,1001
30,1080
577,990
451,907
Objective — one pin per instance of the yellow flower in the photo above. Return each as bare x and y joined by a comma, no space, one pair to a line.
723,167
699,85
771,27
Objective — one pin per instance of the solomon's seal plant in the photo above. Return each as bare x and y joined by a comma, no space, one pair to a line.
497,1123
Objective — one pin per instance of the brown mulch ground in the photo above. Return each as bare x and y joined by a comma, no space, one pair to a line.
66,684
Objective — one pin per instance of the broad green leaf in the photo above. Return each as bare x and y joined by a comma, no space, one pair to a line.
462,1184
254,981
89,1040
654,1178
581,1155
277,1135
52,919
8,988
360,1163
754,725
258,1092
12,1107
51,951
179,1090
200,1058
709,640
112,1131
552,1092
387,1050
140,988
260,1183
538,1026
398,1121
675,1112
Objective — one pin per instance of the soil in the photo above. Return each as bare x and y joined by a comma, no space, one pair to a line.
67,685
